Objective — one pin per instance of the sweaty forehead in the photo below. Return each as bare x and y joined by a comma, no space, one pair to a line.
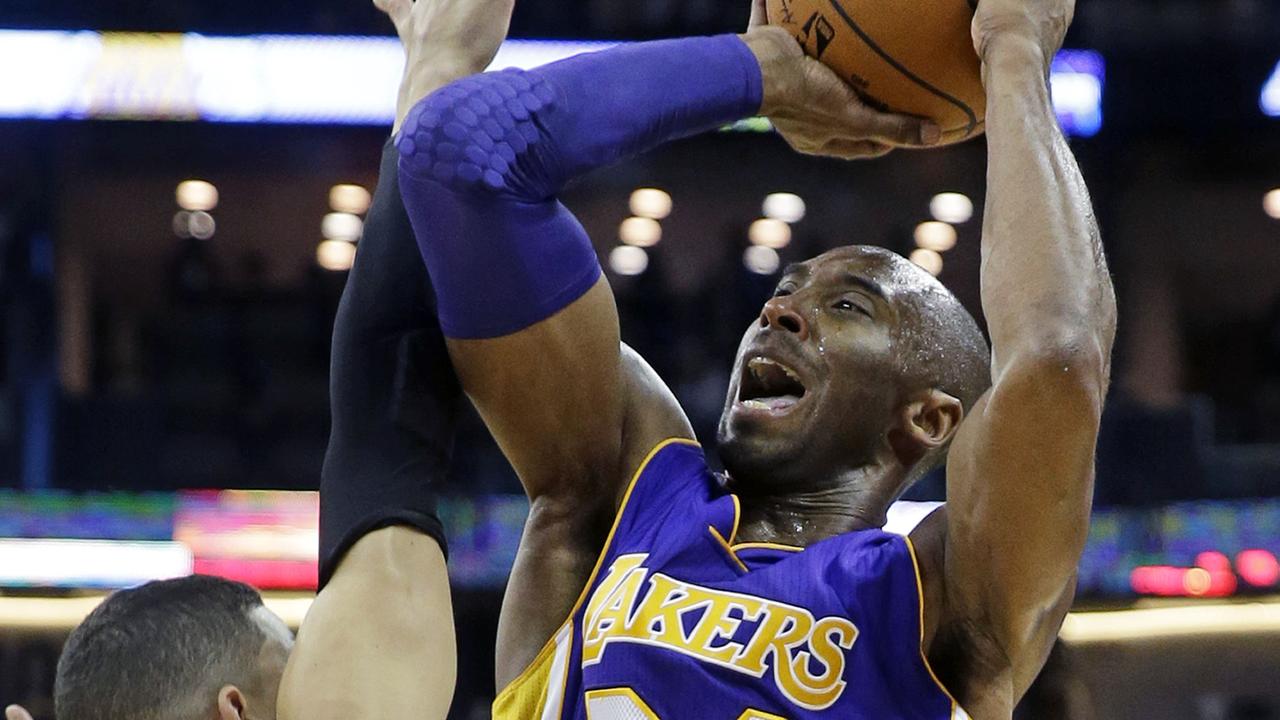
897,275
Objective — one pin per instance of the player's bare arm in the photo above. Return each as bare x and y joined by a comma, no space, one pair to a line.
379,639
573,410
1020,476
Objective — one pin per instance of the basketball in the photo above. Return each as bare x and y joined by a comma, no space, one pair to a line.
906,56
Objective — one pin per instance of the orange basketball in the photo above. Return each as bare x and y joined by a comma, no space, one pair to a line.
907,56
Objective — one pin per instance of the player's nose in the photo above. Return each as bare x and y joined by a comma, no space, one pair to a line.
778,314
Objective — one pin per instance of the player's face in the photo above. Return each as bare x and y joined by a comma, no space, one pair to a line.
817,380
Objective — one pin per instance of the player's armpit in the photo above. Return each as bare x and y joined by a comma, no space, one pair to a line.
378,642
1019,492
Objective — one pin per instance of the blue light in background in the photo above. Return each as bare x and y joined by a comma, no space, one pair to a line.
1077,78
1270,101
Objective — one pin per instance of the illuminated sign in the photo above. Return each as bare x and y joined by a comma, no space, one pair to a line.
314,79
270,539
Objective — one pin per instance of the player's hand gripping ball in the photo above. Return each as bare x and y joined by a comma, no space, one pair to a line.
914,57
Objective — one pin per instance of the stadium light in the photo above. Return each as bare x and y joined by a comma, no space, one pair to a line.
787,207
628,260
64,613
930,260
341,226
335,255
1271,203
651,203
196,195
951,207
347,198
1270,101
936,236
770,233
761,260
1184,621
642,232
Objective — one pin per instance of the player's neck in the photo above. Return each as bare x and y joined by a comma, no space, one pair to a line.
803,517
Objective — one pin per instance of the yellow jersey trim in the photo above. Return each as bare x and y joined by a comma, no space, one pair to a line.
727,548
509,701
915,565
637,702
550,645
767,546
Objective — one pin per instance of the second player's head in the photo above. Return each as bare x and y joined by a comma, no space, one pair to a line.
861,365
195,648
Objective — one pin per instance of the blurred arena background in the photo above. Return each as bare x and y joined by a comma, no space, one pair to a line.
181,189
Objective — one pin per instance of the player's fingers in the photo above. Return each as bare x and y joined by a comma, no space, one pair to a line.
759,15
16,712
855,149
899,129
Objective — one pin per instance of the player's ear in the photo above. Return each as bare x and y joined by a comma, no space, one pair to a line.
232,704
926,423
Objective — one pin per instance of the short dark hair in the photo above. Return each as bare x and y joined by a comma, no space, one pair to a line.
160,651
942,347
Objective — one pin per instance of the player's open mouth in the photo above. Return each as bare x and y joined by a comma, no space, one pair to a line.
770,386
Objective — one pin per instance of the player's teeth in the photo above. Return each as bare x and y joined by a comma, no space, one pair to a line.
756,365
755,404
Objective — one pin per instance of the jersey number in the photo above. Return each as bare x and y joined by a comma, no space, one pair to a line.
624,704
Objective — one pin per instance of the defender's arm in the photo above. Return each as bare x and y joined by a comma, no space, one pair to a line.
1020,474
394,409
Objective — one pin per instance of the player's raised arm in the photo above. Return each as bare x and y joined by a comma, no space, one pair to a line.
1020,474
379,641
532,325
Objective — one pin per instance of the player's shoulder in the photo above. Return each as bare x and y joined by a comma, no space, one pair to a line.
891,550
673,470
652,415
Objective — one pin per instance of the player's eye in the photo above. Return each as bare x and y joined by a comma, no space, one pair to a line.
844,304
784,289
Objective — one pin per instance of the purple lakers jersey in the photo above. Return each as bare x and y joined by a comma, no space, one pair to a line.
681,621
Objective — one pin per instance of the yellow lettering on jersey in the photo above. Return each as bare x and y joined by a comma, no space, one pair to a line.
829,636
713,633
759,715
788,635
660,615
610,607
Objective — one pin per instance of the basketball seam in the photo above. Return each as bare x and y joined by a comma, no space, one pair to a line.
968,111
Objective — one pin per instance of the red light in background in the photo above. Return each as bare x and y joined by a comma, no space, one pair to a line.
1158,580
1169,581
1213,561
1259,568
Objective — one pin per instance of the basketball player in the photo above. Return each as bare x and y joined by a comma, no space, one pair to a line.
648,587
192,647
379,640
